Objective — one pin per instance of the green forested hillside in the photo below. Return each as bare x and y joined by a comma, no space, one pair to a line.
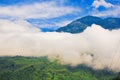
31,68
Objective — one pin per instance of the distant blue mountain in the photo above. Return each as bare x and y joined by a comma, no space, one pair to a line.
81,24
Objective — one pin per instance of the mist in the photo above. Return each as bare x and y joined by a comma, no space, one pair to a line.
95,47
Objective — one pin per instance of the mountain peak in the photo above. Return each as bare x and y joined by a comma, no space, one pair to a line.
81,24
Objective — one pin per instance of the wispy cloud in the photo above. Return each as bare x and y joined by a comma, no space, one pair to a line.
17,26
53,24
98,3
114,12
37,10
63,23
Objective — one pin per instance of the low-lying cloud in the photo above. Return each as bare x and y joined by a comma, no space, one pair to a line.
95,47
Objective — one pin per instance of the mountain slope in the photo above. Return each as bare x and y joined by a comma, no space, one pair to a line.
81,24
74,27
41,68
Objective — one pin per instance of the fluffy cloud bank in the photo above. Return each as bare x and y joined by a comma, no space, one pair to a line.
95,47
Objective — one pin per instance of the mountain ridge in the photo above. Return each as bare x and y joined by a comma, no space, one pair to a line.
79,25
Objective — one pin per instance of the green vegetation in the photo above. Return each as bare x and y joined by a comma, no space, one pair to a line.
33,68
117,78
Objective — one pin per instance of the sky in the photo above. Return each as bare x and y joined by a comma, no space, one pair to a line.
53,14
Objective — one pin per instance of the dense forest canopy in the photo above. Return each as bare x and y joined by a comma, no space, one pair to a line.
41,68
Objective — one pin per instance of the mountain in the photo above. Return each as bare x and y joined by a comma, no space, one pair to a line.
41,68
81,24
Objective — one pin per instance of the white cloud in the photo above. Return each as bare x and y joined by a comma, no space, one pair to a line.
98,3
37,10
115,12
56,24
17,26
53,24
63,23
94,47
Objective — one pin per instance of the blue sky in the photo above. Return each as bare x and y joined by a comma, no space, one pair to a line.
56,13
